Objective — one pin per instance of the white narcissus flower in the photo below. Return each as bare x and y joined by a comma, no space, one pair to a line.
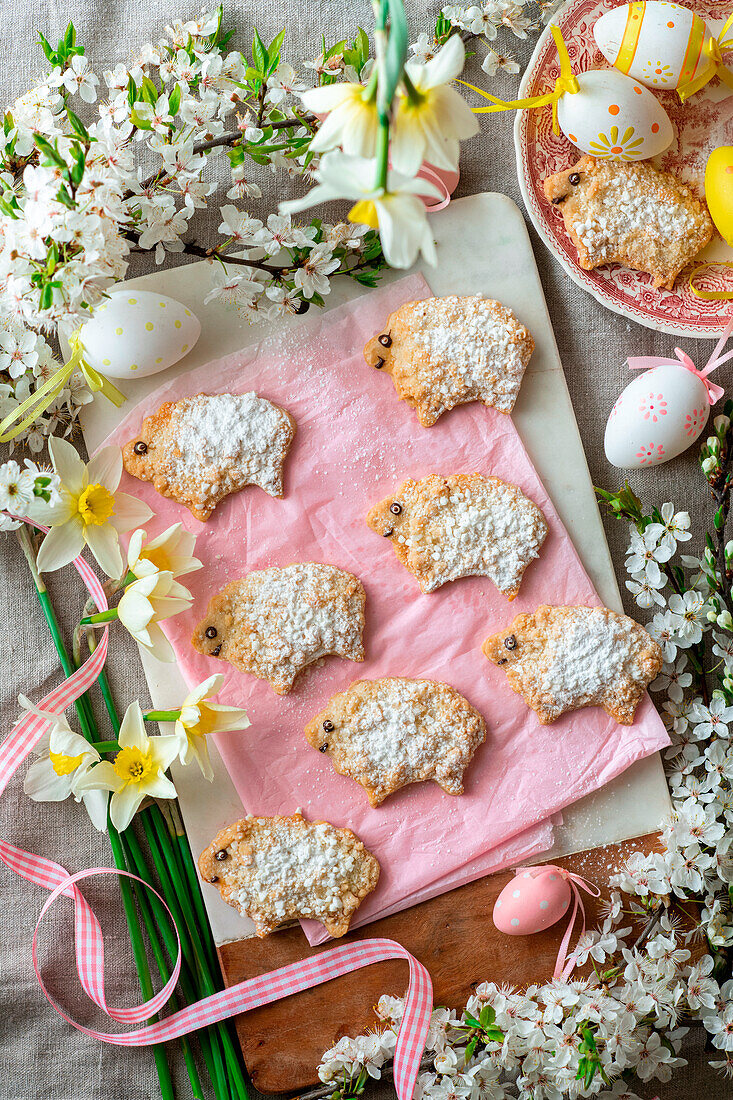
397,212
90,510
137,771
65,759
147,602
431,117
199,718
351,120
171,552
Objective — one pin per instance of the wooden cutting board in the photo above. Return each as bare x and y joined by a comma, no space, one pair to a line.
453,935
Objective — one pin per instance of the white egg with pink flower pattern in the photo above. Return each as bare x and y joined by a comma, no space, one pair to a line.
657,417
531,902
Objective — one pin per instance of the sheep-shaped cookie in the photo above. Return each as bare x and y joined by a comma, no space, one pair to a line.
200,449
387,733
275,622
564,658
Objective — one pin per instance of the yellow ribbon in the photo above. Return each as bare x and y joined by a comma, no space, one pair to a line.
713,49
710,295
30,409
566,82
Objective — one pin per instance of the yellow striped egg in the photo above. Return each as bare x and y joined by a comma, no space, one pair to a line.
136,333
662,45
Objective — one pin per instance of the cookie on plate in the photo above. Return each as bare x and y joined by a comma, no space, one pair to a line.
616,212
443,352
278,869
564,658
275,622
200,449
391,732
464,525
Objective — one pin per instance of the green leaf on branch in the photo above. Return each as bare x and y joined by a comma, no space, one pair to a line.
259,54
174,101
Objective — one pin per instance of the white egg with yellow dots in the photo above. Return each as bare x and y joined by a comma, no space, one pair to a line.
614,117
136,333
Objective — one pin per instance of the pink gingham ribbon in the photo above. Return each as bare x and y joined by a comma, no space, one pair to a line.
89,942
644,362
564,966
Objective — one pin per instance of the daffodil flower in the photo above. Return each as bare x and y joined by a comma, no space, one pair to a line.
199,718
171,552
396,211
351,118
137,771
431,117
145,603
65,759
90,510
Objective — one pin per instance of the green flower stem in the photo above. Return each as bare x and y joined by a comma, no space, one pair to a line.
200,932
106,746
141,961
82,705
157,921
413,95
167,871
100,618
162,715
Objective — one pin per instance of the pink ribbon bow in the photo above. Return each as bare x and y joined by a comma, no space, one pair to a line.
644,362
564,966
242,997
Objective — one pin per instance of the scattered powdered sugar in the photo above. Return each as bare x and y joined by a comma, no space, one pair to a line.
627,217
225,441
291,617
477,350
392,732
590,653
477,527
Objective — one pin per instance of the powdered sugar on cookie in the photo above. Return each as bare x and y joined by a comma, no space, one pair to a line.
281,868
391,732
460,526
564,658
444,352
203,448
276,622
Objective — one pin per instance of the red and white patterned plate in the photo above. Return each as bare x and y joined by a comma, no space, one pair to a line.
701,125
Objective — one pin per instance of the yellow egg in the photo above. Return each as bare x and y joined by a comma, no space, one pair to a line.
719,190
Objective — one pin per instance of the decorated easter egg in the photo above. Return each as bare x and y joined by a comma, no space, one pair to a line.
719,190
614,116
135,333
531,902
662,45
657,417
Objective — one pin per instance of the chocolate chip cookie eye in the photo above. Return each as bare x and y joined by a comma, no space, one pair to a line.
140,448
211,631
510,642
221,855
385,340
379,363
574,178
328,726
395,508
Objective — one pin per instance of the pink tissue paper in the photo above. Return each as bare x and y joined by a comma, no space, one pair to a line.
355,443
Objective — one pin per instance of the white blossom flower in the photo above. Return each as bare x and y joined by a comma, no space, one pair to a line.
90,509
644,555
137,772
431,117
312,276
687,616
77,79
662,628
674,528
17,489
644,592
396,212
711,720
65,758
147,602
673,679
18,349
199,718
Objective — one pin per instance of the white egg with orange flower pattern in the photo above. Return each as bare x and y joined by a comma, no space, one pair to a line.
614,117
657,417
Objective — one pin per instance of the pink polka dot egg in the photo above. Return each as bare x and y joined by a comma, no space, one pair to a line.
531,902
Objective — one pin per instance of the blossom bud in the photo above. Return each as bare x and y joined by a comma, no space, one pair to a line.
712,616
721,424
725,620
709,464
